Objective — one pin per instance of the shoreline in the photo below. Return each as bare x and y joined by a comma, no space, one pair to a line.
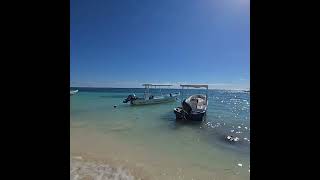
92,149
85,166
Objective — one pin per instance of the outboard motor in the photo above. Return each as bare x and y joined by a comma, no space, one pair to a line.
130,98
186,107
183,112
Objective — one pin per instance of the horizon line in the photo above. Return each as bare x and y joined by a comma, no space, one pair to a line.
162,88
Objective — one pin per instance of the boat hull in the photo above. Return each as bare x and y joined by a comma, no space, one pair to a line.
73,92
193,116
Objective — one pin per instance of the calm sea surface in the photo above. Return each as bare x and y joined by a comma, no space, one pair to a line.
151,144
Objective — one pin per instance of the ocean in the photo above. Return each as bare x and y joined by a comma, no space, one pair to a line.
146,142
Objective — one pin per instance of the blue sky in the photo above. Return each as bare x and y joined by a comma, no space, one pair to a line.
124,43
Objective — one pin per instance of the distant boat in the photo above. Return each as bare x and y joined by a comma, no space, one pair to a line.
73,92
194,108
148,98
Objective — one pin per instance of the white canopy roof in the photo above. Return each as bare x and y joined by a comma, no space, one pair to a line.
157,85
195,85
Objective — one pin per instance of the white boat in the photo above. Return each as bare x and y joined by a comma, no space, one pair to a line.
193,108
73,92
148,98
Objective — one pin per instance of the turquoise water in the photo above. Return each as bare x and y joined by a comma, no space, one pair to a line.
149,137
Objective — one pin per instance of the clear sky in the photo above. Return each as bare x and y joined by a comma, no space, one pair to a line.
124,43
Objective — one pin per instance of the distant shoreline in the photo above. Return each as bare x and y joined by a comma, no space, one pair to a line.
84,87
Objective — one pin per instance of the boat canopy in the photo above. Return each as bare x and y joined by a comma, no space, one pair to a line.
195,85
157,85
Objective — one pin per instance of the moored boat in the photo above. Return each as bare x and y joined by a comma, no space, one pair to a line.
149,98
194,108
73,92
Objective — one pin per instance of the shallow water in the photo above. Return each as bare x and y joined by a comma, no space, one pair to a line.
148,139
